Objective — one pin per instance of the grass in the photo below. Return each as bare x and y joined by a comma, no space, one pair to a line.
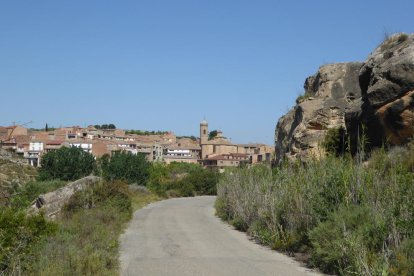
350,218
393,40
84,240
139,199
302,97
29,192
13,176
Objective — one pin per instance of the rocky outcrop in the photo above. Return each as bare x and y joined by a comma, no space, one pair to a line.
385,110
374,98
51,203
328,95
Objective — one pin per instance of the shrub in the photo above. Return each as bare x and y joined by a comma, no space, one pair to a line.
345,241
182,179
29,192
393,40
303,97
306,207
19,236
87,240
66,164
125,166
336,141
402,262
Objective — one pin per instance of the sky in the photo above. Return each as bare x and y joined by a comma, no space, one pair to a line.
167,65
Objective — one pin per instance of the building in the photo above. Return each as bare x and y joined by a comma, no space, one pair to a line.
222,161
219,152
34,153
16,131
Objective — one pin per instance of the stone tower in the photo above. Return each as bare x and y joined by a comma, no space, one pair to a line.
203,132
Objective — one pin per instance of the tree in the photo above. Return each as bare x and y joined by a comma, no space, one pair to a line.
46,128
212,134
66,164
125,166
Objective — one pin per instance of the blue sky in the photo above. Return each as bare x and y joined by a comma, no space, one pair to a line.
165,65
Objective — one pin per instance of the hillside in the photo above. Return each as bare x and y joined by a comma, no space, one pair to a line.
13,173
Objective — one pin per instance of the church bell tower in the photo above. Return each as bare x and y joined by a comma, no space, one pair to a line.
203,132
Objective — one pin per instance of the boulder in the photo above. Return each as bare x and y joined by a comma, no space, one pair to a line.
373,100
51,203
385,112
328,95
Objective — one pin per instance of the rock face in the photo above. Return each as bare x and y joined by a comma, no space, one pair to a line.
387,86
375,97
328,95
51,203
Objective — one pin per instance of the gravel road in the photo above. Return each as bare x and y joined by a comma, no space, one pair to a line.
183,237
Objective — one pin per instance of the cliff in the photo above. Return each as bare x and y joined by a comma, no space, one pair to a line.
376,95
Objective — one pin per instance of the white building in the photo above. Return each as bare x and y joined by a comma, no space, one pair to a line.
34,153
84,145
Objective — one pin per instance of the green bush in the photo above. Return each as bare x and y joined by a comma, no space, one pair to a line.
182,179
125,166
290,204
66,164
303,97
336,141
19,236
29,192
346,239
402,261
86,242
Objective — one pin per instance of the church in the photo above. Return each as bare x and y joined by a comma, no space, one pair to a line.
219,152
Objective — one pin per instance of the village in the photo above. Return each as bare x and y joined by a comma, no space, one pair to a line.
214,152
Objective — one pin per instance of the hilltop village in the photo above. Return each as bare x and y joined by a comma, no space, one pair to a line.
211,152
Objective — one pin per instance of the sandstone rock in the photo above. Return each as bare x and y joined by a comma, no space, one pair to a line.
387,86
374,99
330,93
51,203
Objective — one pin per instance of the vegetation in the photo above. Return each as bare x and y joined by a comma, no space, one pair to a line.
66,164
12,176
82,241
336,141
302,97
393,40
193,138
181,179
105,126
20,235
212,134
145,132
125,166
350,218
25,194
47,128
86,242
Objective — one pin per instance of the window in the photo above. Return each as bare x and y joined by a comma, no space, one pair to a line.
204,132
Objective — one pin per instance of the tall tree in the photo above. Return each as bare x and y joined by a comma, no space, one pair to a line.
66,164
125,166
212,134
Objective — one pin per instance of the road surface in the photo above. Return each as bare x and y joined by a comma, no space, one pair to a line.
183,237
